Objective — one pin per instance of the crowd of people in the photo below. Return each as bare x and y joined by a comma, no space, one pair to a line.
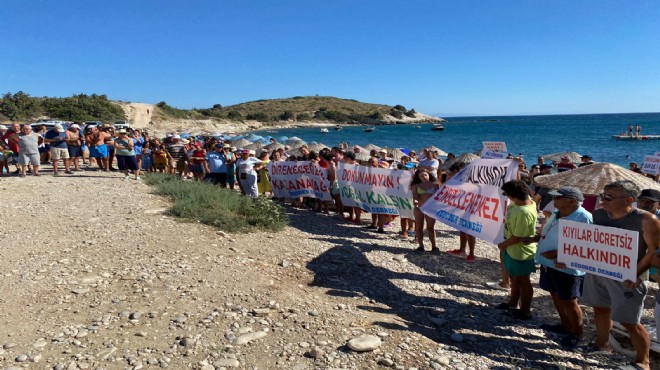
525,247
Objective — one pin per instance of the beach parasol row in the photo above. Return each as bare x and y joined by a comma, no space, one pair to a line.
592,179
463,158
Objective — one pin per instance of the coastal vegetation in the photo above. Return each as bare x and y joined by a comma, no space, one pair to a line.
224,209
22,107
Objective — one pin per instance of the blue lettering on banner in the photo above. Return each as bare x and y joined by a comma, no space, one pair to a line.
299,192
465,224
582,267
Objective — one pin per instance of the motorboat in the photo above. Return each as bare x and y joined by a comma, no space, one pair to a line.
437,127
338,128
369,129
324,131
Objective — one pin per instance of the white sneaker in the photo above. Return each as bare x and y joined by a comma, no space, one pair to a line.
127,177
138,178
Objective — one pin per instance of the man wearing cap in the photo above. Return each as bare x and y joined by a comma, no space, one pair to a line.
565,165
74,143
563,284
97,148
382,159
56,137
217,161
648,200
623,301
586,160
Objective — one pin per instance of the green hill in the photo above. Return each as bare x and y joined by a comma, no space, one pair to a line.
22,107
317,108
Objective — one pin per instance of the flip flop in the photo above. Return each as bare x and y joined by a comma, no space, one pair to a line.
631,366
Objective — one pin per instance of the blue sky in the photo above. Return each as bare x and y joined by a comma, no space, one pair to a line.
446,57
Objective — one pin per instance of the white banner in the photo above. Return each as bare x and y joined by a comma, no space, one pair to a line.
495,146
299,179
599,250
651,164
487,154
472,200
376,190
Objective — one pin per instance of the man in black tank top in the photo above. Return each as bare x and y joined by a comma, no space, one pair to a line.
623,301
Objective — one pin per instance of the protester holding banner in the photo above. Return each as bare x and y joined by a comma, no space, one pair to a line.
378,220
354,212
466,240
623,301
563,284
423,186
518,257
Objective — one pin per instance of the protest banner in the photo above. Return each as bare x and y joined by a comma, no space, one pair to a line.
299,179
376,190
487,154
472,201
495,146
599,250
651,164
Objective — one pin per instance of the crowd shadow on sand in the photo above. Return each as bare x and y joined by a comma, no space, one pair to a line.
345,271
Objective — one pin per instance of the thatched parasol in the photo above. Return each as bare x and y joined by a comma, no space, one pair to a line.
362,156
293,140
254,146
274,146
395,154
240,143
592,179
556,157
463,158
441,152
316,147
370,147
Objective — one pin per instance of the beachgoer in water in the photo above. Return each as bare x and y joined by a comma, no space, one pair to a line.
518,256
630,130
638,130
423,186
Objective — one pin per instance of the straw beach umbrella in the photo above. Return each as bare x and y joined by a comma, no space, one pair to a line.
556,157
240,143
395,154
463,158
316,147
370,147
254,146
274,146
593,178
441,152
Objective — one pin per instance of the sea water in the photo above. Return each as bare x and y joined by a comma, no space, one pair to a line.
530,135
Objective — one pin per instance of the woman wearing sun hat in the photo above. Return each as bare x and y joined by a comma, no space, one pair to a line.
246,170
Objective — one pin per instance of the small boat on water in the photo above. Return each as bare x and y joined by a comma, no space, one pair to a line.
369,129
640,137
338,128
324,131
418,126
437,127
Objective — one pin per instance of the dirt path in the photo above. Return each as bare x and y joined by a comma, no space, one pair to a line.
94,276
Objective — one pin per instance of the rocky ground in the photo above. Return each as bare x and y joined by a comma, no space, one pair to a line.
94,276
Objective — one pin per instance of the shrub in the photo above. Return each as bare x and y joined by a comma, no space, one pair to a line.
411,113
400,108
217,106
234,115
218,207
376,115
259,116
396,113
303,117
287,115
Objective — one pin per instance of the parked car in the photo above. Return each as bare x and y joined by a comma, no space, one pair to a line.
49,124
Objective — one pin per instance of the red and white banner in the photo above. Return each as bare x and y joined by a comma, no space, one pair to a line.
472,201
376,190
299,179
651,164
495,146
599,250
